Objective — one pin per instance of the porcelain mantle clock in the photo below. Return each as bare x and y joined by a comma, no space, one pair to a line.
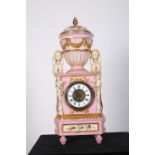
79,104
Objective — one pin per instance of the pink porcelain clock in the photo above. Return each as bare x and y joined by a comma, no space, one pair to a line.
79,104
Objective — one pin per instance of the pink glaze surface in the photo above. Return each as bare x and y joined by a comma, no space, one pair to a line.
66,81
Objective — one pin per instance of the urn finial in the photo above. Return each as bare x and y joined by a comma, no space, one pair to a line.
75,21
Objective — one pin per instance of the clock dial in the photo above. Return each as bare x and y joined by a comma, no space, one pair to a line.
79,95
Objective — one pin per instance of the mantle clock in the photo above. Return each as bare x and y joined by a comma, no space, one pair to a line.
79,104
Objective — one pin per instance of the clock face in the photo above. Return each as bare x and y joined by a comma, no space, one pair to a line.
79,95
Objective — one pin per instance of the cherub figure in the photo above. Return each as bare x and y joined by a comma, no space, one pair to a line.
95,62
57,62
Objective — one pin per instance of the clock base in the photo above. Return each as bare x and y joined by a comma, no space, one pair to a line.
82,126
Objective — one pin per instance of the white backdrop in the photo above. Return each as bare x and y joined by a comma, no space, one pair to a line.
108,21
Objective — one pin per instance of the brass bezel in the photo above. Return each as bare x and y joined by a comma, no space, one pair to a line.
90,102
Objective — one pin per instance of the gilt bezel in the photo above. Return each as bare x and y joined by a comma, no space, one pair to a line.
90,102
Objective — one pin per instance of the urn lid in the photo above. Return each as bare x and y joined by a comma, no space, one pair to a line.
75,31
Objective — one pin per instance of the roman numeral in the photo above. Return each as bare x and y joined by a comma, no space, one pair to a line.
82,87
71,100
86,99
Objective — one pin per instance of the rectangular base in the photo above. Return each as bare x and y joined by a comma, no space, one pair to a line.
87,126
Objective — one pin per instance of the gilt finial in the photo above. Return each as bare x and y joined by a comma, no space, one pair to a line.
75,21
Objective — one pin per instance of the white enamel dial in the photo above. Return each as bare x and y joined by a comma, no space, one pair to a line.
79,95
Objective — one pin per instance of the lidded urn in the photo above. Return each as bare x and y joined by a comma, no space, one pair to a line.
76,42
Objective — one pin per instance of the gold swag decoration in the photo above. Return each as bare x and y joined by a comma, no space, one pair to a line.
76,45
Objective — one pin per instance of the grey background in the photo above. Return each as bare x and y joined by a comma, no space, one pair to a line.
108,21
